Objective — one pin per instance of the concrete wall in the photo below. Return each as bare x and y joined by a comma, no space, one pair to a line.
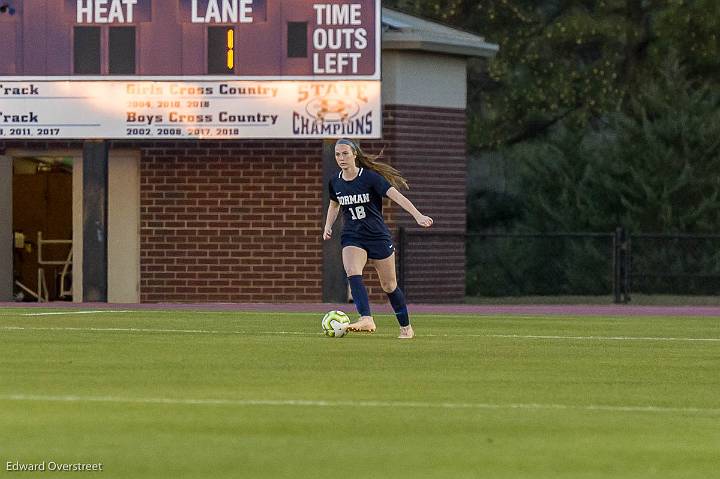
124,227
423,79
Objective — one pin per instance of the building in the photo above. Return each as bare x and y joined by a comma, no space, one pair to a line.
241,220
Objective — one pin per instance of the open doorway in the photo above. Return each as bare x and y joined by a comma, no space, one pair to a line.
43,227
44,207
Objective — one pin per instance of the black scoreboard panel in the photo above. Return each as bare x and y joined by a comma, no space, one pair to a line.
271,39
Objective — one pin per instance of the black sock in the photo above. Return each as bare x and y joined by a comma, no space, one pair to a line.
397,300
360,295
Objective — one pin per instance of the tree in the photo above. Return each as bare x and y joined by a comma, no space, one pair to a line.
651,169
570,61
601,128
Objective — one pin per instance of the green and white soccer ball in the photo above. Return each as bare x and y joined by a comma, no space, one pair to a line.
333,322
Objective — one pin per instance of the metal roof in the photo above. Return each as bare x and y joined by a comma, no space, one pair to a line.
406,32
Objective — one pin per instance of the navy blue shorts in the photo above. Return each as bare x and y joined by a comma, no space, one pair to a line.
376,248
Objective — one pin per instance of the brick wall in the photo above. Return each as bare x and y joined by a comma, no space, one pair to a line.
428,145
231,221
240,221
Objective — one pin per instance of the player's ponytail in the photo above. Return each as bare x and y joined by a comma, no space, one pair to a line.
371,162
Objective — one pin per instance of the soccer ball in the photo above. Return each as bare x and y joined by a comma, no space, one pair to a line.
332,324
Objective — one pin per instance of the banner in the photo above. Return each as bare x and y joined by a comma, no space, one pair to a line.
173,109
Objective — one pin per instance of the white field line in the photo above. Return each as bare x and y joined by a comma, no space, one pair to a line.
154,311
303,333
596,338
151,330
468,316
60,313
364,404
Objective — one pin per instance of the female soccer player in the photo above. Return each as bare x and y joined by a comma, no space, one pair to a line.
359,188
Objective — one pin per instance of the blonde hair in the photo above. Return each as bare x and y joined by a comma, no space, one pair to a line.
371,162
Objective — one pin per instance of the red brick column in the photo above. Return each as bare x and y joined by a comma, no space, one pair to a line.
428,145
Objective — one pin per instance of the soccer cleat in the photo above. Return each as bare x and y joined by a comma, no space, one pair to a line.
365,325
406,332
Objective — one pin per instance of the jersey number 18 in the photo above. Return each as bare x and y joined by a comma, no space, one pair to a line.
357,213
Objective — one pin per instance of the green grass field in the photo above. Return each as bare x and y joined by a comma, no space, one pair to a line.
261,395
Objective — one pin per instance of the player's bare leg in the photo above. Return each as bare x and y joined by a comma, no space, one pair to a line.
388,281
354,260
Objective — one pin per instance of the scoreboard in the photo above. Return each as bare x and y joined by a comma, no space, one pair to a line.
189,68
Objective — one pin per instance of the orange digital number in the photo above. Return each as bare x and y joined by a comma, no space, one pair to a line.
230,48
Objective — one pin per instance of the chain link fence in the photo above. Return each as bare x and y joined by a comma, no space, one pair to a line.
616,263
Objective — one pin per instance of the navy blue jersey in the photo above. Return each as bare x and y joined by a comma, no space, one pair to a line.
361,203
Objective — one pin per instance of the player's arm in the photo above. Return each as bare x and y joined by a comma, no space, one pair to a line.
406,204
332,213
